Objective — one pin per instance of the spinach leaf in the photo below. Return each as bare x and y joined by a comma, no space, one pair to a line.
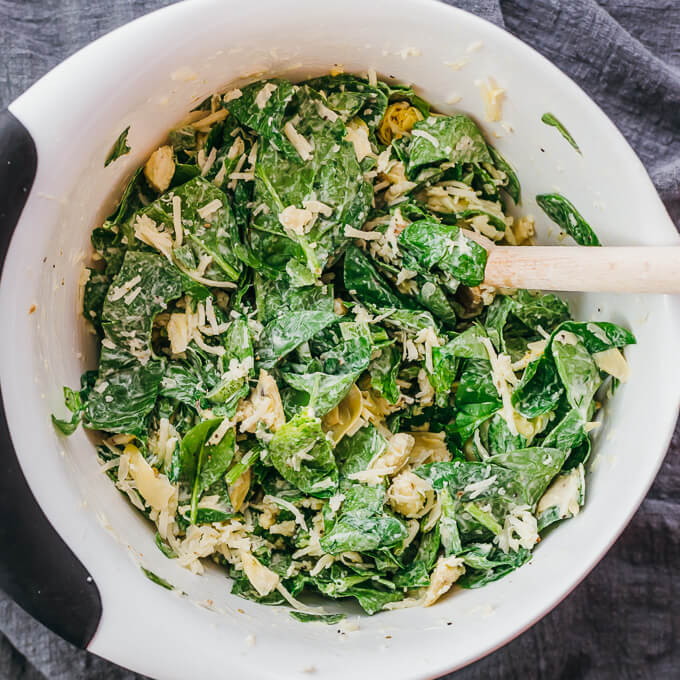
261,107
183,173
350,96
287,332
303,456
128,380
319,391
213,234
457,476
532,311
535,468
119,148
448,526
230,390
354,453
446,360
485,563
329,173
443,246
187,380
130,201
371,599
362,524
550,119
364,283
74,402
458,140
499,439
577,370
199,464
211,460
142,288
564,214
512,186
262,104
539,390
384,370
545,310
598,336
66,427
324,382
124,395
409,320
157,579
466,345
432,296
481,495
417,574
183,138
94,295
444,370
305,617
277,298
476,397
184,462
569,432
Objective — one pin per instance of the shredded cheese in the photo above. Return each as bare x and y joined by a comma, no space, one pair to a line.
177,220
264,95
209,208
501,372
297,220
301,145
146,232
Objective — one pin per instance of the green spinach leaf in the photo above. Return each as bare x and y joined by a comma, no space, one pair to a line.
564,214
550,119
119,148
303,456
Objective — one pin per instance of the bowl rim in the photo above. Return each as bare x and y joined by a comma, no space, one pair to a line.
24,108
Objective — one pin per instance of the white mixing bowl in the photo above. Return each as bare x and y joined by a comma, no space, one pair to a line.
148,74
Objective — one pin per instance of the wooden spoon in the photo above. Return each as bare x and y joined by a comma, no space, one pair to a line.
617,269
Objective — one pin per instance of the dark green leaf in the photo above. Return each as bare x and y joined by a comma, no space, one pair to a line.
539,390
302,455
364,283
512,187
443,246
564,214
577,370
157,579
384,371
550,119
66,427
328,619
350,96
535,467
120,147
485,563
458,141
355,452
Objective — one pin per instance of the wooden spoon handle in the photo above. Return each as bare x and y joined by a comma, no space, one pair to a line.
577,268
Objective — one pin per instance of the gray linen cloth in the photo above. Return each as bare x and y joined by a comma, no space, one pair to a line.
623,620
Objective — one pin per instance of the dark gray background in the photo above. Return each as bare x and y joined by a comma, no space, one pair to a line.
623,621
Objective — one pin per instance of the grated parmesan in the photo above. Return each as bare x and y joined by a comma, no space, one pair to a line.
209,208
301,145
264,95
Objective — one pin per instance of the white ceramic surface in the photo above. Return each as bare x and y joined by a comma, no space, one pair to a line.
147,75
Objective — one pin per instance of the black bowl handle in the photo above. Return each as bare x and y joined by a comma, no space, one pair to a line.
37,569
